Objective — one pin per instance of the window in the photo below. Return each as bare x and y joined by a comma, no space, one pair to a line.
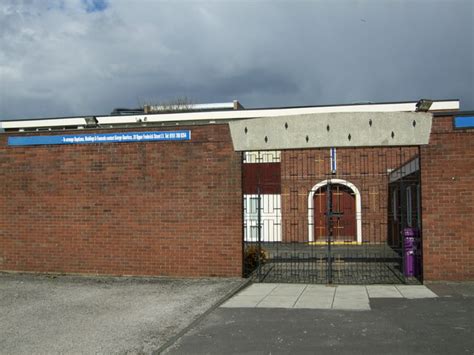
253,205
254,232
271,156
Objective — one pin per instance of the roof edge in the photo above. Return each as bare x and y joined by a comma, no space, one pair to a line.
213,116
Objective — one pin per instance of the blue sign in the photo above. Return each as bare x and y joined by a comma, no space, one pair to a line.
333,160
464,122
122,137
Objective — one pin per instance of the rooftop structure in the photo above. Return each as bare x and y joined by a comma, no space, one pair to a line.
211,113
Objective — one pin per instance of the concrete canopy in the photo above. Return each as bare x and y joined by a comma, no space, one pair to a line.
355,129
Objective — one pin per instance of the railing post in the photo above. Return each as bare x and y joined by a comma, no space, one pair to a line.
259,235
403,213
329,229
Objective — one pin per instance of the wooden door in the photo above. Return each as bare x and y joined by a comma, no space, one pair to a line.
343,202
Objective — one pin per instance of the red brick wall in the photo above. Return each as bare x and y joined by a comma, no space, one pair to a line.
366,168
156,208
447,171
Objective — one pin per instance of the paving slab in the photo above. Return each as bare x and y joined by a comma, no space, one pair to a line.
283,296
243,301
278,302
350,292
383,291
413,292
320,290
308,301
351,298
258,290
288,290
316,297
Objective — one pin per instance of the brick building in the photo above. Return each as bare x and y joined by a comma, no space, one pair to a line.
183,194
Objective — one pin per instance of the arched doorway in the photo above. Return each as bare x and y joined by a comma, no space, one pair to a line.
347,227
343,204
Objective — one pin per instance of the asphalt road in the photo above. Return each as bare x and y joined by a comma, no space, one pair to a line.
49,315
443,325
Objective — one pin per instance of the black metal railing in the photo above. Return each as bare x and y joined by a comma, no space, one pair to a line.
340,226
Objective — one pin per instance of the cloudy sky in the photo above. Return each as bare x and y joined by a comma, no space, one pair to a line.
76,57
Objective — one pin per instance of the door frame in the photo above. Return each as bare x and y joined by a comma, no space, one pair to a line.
358,206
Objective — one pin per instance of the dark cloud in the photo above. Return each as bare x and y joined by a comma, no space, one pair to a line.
60,58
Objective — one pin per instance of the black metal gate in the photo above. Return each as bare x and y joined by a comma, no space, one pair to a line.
332,215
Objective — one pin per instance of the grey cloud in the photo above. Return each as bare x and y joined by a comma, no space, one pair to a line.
56,59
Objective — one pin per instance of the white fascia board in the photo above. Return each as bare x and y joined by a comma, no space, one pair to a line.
218,105
226,115
445,105
244,114
43,123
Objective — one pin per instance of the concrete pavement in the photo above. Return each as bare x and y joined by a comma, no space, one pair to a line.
321,296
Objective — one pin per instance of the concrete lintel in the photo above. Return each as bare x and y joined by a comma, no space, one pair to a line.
355,129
